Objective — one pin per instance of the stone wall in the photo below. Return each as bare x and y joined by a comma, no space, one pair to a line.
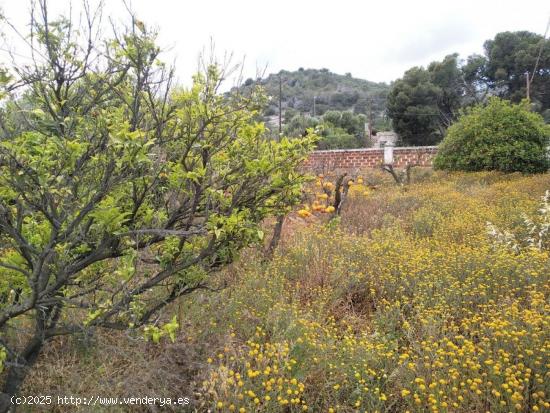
357,159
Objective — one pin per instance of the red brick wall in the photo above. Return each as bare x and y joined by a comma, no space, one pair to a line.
355,159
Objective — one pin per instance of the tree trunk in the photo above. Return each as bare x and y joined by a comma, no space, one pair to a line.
277,232
17,373
340,194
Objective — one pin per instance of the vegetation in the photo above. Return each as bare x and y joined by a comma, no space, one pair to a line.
403,312
507,58
305,88
408,302
337,130
498,136
119,193
425,102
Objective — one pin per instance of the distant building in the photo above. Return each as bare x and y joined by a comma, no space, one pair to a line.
383,138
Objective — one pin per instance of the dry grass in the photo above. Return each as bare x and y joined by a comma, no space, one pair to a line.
353,316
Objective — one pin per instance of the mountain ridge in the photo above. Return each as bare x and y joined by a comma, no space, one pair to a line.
312,92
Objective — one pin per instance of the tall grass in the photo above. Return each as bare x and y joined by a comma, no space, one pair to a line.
405,304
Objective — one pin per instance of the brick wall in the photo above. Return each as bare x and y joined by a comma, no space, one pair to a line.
356,159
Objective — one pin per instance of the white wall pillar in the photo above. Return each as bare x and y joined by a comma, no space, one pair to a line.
388,153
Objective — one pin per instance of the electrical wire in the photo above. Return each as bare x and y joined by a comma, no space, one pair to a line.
542,42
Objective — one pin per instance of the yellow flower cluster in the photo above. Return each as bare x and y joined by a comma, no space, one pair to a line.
321,196
420,311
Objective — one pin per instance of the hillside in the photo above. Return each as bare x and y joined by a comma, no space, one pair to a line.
314,91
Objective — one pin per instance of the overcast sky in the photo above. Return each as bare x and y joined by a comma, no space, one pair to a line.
374,40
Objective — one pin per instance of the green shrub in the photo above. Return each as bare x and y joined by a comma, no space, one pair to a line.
338,139
496,136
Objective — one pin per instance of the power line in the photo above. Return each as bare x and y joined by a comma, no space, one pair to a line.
542,42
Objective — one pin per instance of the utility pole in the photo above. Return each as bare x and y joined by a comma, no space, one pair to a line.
370,119
280,218
314,98
280,106
528,82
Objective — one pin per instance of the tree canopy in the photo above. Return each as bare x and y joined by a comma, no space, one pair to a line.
497,136
508,57
426,101
336,129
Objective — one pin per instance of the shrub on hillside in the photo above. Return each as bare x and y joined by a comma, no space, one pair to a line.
496,136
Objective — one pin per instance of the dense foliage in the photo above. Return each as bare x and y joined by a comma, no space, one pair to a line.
497,136
424,103
508,57
336,130
118,192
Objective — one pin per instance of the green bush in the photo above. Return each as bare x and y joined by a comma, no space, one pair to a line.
338,139
496,136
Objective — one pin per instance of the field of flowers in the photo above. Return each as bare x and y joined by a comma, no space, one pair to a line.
410,301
